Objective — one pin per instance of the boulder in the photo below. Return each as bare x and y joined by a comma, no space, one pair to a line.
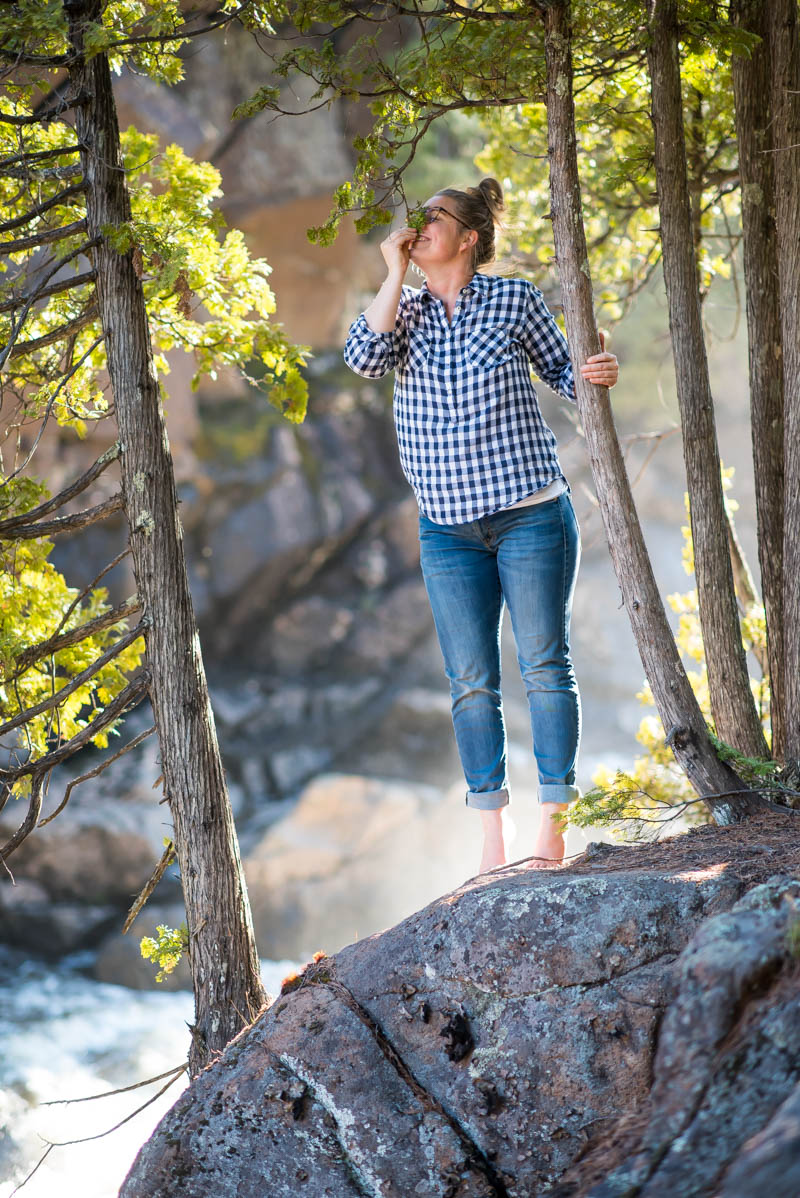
626,1025
97,851
354,855
30,920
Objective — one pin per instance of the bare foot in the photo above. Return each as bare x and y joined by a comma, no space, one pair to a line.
549,844
497,831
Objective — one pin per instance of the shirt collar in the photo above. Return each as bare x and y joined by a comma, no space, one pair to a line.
478,283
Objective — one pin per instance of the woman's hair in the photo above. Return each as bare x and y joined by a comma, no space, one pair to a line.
480,208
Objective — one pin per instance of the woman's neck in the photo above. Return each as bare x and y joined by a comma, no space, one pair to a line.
445,284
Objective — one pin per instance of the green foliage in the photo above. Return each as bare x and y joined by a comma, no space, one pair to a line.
166,948
204,294
35,603
490,62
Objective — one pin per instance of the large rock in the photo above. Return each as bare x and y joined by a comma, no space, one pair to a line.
612,1028
94,852
354,855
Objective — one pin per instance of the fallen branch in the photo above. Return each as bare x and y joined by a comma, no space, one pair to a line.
167,857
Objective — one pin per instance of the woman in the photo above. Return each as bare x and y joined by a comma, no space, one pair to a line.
496,521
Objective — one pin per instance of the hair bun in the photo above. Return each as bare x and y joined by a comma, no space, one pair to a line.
492,194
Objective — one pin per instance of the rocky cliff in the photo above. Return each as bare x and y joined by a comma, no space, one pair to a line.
625,1026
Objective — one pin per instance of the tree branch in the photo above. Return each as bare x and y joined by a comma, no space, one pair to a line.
39,155
31,819
48,172
53,270
34,60
130,696
41,118
67,524
88,276
46,237
98,769
167,857
40,209
55,644
86,675
90,587
62,383
64,330
75,488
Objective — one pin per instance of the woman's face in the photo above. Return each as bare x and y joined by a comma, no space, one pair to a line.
444,238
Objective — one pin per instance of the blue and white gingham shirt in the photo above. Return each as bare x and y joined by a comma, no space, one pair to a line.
472,438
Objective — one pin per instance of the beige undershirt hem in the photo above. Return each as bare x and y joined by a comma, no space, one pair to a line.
551,491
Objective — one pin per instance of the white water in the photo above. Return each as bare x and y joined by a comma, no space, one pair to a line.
63,1035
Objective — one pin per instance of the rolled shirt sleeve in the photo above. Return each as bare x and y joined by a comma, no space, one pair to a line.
371,354
546,346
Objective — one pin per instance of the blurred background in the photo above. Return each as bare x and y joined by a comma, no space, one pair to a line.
327,686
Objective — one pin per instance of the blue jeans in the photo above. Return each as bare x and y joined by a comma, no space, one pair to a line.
526,558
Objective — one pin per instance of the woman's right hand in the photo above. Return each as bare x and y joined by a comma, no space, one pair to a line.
396,249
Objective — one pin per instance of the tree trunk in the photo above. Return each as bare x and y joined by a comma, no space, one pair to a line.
675,700
732,705
222,952
782,25
751,89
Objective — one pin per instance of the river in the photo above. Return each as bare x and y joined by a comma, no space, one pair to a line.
66,1036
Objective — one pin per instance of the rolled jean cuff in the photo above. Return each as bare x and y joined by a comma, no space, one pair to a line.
558,792
488,800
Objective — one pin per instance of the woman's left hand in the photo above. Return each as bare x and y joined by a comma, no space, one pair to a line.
603,368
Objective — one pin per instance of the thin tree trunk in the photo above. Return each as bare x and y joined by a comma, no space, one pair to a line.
222,953
732,704
784,45
675,700
751,90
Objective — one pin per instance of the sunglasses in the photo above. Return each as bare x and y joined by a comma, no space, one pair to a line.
432,214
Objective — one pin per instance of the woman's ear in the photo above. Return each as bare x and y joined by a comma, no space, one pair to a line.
470,240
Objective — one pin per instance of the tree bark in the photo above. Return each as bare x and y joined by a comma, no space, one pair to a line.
222,953
727,798
784,47
751,90
732,704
